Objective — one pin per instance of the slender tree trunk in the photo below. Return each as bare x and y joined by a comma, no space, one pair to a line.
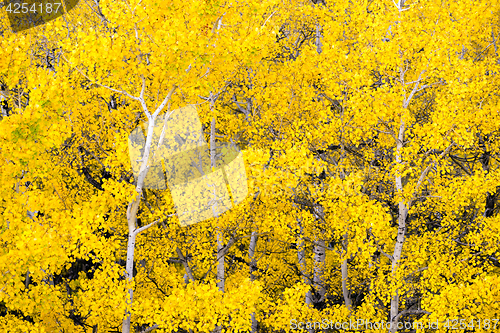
319,267
187,277
220,238
403,212
319,260
185,263
221,253
251,253
251,257
3,107
319,45
345,290
402,207
133,206
345,275
132,219
220,265
301,255
221,279
129,276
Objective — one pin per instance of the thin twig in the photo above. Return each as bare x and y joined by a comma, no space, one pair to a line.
167,99
65,207
141,229
147,330
102,85
480,53
426,171
91,153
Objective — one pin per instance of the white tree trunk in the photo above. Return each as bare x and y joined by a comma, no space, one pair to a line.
132,219
301,255
319,45
403,212
319,259
345,275
319,267
220,265
402,206
129,276
189,272
133,206
345,290
221,251
251,257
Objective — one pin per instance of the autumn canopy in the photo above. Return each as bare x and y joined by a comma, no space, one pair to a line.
352,148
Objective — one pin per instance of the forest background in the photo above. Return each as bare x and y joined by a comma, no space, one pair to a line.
369,133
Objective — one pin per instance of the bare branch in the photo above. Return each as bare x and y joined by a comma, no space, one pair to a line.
142,92
269,18
414,90
494,42
402,313
426,171
88,150
64,203
429,85
185,263
480,53
149,329
102,85
141,229
162,105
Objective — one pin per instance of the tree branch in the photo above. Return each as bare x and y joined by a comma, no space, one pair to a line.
149,329
402,313
185,263
426,171
141,229
162,105
102,85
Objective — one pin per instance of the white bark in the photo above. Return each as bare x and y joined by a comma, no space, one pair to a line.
221,250
403,212
302,261
403,207
319,45
251,253
220,239
303,265
251,257
134,205
344,270
2,98
319,267
319,259
345,290
129,276
189,272
220,264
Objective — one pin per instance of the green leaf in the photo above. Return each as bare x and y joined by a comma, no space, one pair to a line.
34,129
